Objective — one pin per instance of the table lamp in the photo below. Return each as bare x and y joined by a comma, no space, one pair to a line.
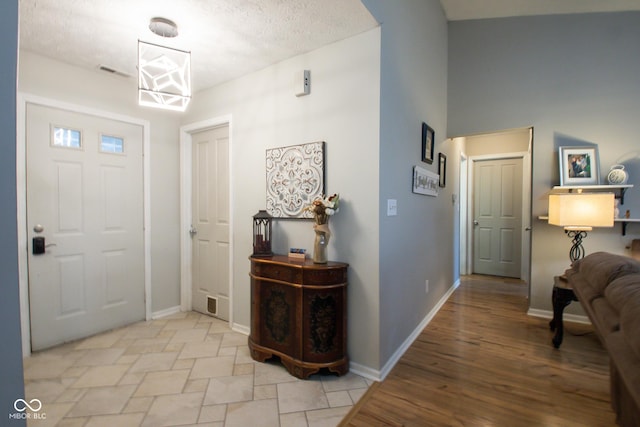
579,213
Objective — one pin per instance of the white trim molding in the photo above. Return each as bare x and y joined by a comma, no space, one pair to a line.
374,375
186,183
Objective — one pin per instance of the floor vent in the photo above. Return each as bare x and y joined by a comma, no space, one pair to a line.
212,305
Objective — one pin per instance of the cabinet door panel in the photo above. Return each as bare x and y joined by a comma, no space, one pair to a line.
323,325
278,325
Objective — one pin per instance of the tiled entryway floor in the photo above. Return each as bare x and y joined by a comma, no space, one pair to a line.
186,369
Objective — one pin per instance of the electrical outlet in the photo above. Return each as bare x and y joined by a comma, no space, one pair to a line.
426,286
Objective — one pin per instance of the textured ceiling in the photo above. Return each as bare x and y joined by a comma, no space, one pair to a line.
230,38
227,38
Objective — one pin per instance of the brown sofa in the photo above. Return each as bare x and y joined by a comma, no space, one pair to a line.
608,288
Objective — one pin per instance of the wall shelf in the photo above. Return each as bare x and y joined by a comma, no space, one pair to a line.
625,221
619,190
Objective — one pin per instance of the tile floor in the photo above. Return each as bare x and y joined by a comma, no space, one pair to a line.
186,369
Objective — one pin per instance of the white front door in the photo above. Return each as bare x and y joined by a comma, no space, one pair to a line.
210,222
497,235
85,199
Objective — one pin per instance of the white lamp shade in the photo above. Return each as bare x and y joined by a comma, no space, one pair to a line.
581,209
164,77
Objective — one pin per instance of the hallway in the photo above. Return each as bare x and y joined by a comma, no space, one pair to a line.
186,369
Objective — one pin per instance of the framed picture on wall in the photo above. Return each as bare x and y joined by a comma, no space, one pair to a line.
442,170
424,182
428,143
295,178
579,165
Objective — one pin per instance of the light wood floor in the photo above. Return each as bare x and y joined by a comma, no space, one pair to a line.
483,362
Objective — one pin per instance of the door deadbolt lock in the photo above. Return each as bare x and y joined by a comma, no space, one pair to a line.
38,247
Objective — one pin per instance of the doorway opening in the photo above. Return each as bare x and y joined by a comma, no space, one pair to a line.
495,204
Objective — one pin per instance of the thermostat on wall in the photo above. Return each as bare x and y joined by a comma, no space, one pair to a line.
302,83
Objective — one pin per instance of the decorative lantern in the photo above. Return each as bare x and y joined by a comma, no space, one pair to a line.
262,234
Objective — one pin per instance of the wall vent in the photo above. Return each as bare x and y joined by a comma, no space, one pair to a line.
112,71
212,305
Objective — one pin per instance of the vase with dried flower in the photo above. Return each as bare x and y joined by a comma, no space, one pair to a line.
322,209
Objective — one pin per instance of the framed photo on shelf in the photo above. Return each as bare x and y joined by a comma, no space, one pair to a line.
579,165
442,170
428,143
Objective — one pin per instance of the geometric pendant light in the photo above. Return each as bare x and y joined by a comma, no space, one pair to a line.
164,77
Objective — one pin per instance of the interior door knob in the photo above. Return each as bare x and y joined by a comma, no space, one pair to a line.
38,228
475,222
193,231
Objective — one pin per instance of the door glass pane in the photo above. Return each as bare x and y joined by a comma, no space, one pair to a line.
111,144
64,137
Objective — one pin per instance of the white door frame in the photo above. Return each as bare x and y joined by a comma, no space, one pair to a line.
21,175
526,207
465,254
186,186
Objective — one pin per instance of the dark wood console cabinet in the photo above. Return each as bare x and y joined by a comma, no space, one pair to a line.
299,313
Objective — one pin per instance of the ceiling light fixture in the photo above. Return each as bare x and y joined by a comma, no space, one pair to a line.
164,74
164,77
163,27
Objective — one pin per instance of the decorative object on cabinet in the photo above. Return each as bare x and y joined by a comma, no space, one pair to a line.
297,253
425,182
262,234
442,170
299,313
617,175
322,209
579,165
578,213
428,143
295,178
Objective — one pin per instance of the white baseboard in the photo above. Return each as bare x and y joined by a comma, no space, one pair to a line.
241,329
364,371
567,317
166,312
416,332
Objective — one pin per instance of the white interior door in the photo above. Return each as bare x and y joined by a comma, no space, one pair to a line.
497,234
85,199
210,222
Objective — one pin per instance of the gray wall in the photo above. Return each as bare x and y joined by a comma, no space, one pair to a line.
417,244
342,110
576,80
12,387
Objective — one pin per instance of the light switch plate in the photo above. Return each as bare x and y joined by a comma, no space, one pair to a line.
392,207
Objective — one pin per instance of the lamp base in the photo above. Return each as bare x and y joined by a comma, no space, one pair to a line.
576,234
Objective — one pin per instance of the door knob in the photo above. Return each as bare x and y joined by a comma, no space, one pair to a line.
193,231
475,222
38,228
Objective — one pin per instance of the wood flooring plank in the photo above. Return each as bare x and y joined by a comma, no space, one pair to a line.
482,361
